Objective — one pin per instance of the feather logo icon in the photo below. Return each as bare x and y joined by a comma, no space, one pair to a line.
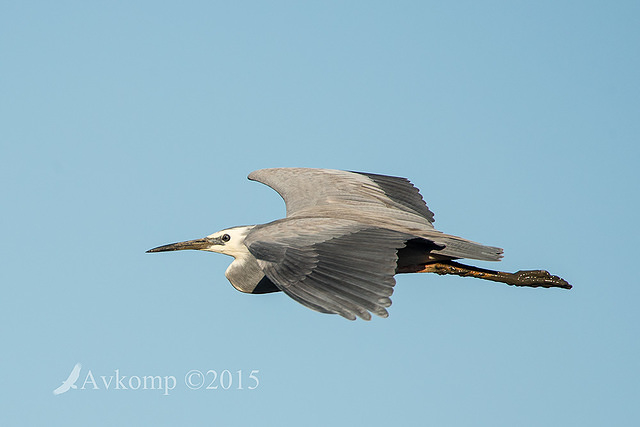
70,382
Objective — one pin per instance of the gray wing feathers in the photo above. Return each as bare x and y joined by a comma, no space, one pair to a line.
336,252
339,267
377,200
325,192
402,191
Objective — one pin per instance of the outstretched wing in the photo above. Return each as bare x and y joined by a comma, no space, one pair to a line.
352,195
381,201
332,266
75,373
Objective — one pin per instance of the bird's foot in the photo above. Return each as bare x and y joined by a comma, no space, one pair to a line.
538,278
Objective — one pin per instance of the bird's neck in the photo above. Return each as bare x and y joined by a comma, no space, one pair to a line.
244,273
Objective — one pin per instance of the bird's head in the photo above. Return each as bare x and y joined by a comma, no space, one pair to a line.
228,242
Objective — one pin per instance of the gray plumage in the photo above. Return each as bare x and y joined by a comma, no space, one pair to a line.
330,265
345,236
380,201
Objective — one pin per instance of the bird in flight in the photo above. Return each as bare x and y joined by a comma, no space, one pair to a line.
345,236
70,382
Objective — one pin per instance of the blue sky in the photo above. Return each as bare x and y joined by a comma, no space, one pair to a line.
126,125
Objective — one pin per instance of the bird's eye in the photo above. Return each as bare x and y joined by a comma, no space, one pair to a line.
226,237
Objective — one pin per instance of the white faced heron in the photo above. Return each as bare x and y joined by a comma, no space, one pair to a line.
345,236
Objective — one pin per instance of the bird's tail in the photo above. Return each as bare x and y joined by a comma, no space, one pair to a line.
457,247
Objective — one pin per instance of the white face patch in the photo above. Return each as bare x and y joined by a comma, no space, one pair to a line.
232,240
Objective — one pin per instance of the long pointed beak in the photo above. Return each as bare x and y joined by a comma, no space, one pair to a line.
197,244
